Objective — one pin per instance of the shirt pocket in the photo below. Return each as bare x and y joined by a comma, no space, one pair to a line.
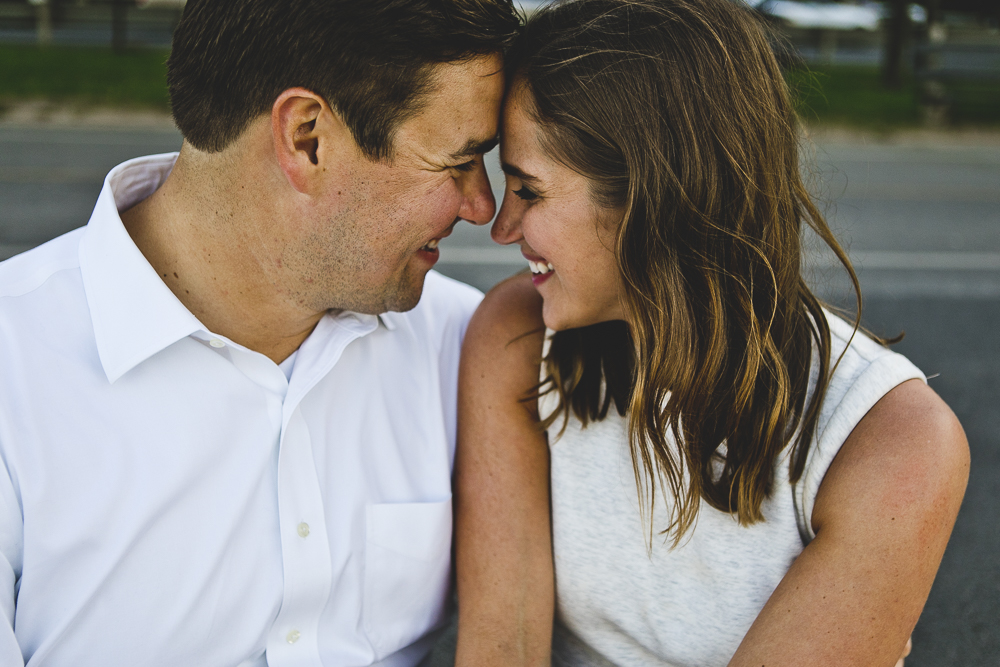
407,572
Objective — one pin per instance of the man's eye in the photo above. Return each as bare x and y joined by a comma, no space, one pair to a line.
525,194
465,166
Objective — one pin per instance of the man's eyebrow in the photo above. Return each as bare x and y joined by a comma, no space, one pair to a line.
517,173
475,147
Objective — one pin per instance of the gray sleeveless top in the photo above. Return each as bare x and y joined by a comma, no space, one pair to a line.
690,606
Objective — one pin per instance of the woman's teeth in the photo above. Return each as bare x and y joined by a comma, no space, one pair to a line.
431,245
540,267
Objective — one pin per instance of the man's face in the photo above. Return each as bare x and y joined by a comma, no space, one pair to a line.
373,235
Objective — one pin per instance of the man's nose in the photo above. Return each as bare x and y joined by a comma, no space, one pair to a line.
478,204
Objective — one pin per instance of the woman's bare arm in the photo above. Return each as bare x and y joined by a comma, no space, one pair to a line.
883,516
502,528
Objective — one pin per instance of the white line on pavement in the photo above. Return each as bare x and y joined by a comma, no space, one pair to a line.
913,261
863,259
486,256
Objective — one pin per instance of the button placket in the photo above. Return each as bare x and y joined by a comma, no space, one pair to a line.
306,563
306,558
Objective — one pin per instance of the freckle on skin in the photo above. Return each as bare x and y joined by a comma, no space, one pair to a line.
175,275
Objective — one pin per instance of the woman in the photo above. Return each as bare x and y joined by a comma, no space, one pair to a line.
737,476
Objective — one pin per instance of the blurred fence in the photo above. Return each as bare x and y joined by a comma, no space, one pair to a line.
89,22
958,47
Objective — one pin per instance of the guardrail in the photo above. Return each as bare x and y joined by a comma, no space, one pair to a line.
119,23
940,65
959,62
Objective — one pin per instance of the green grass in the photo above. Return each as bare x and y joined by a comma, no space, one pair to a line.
975,103
839,95
853,96
84,76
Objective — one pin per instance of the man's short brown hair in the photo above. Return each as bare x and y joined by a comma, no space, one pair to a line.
370,59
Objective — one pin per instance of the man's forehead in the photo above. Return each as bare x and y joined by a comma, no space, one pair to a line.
460,114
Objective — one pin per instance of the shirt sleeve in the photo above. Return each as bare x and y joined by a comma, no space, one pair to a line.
11,548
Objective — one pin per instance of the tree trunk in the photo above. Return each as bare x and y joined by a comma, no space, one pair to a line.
896,32
119,25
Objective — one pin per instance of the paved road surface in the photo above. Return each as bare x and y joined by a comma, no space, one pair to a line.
921,222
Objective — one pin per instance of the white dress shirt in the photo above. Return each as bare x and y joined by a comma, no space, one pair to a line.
169,497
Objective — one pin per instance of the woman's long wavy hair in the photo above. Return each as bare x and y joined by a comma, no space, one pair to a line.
678,114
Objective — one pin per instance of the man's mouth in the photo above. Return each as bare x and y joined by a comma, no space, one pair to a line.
431,246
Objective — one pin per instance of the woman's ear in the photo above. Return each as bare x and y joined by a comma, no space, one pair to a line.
296,139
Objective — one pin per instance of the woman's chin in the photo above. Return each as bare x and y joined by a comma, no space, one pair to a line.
554,319
559,319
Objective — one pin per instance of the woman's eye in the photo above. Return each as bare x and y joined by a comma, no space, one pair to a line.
525,194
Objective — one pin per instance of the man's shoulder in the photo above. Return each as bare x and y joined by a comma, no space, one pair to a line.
24,274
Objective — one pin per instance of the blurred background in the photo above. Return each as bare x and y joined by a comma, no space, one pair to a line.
901,103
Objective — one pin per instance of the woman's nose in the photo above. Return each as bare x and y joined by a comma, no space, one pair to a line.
507,227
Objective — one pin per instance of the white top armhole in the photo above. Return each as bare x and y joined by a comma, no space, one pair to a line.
865,373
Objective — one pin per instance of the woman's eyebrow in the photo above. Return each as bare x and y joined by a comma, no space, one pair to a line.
511,170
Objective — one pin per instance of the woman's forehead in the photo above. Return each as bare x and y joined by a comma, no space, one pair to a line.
520,144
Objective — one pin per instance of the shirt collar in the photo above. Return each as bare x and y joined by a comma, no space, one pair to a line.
387,321
135,314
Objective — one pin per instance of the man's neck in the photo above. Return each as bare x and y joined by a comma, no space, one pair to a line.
200,231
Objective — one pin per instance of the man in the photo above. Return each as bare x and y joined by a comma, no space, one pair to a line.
227,404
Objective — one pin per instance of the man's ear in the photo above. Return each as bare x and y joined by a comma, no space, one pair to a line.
294,117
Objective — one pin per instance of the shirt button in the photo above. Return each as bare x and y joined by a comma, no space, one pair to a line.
293,636
215,342
303,529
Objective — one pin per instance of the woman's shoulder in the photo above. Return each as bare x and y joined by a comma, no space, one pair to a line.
503,344
510,310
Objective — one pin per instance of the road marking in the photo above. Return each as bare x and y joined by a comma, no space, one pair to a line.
22,175
943,194
487,256
862,259
90,136
911,261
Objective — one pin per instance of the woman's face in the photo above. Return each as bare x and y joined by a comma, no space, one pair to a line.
567,239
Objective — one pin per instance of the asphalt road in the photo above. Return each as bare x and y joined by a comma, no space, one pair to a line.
922,223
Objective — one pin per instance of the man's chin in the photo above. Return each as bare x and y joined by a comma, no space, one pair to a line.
399,298
408,296
402,305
